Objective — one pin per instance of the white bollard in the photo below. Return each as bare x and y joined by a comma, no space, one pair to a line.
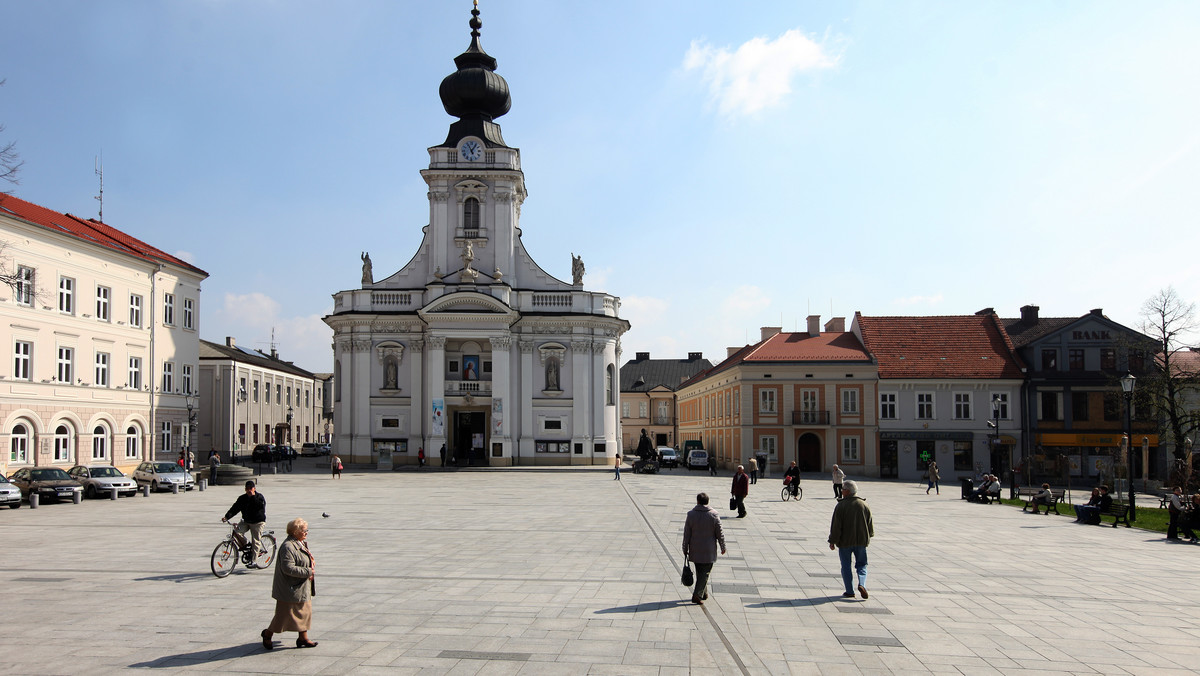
175,489
33,500
145,491
112,493
77,497
203,484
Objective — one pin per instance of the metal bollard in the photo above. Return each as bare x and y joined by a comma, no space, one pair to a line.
77,497
145,491
203,484
33,500
112,493
175,489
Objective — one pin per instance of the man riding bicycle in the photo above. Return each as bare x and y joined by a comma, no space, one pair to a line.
792,478
253,507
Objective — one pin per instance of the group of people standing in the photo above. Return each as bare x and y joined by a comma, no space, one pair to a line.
1184,516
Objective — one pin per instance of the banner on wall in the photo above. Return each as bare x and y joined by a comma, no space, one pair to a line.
497,416
438,428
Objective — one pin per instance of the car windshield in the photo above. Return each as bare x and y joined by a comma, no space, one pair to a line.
52,474
163,467
98,472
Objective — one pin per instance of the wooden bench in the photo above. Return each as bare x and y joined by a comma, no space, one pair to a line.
1166,500
1119,511
1057,495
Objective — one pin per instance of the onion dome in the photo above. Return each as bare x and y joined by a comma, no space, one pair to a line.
474,93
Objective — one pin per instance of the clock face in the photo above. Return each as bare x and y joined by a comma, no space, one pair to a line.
471,151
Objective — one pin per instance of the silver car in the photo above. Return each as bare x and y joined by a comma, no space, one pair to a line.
9,494
99,480
162,475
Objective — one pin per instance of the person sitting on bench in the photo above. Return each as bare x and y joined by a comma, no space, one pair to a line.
1090,513
1043,497
990,487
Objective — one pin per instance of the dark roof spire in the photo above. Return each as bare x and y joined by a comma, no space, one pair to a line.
475,93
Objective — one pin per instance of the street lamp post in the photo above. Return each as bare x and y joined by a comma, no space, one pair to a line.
994,423
1127,382
190,400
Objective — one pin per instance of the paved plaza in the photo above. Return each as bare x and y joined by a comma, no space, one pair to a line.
565,571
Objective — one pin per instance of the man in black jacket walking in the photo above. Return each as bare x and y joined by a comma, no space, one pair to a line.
253,507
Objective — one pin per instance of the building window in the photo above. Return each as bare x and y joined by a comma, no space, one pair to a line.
962,405
471,216
18,445
1075,360
1050,406
102,360
305,398
925,406
254,433
103,297
1079,406
1108,359
22,360
66,295
766,401
643,409
66,364
1049,360
100,443
1001,398
850,401
187,379
188,313
887,406
135,373
962,456
1137,361
135,311
168,377
166,436
289,395
624,409
133,443
850,450
767,445
256,391
610,398
62,444
278,393
169,309
23,290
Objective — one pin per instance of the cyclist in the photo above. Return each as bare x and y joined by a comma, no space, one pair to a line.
253,507
792,478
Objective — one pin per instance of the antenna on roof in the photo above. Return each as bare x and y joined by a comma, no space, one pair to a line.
273,353
99,170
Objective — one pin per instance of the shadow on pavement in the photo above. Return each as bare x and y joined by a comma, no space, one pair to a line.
177,577
200,657
645,607
790,603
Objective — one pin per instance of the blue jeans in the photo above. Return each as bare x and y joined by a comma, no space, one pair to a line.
860,566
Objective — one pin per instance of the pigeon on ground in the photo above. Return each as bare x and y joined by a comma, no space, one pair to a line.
325,514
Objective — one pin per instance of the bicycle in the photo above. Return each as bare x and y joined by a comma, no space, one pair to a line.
237,546
786,493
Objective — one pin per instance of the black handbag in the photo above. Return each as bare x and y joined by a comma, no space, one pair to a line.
732,503
686,578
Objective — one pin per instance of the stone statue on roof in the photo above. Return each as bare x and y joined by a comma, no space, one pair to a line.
576,270
368,277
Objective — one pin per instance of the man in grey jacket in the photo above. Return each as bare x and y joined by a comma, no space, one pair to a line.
850,532
701,535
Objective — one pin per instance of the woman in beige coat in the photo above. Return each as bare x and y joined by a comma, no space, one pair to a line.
293,587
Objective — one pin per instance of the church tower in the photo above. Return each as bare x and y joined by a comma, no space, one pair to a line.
471,344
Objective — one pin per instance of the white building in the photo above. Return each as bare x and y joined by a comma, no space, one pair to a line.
102,334
472,344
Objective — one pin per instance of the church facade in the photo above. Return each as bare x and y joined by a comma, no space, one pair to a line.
472,345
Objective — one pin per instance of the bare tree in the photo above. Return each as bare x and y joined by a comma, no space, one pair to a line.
10,161
1174,378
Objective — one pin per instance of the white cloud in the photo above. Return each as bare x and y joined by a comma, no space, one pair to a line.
304,340
744,301
186,256
758,74
935,299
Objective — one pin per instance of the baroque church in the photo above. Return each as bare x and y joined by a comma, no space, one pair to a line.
471,344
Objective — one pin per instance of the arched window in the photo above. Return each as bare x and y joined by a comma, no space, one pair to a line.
63,442
100,443
133,442
471,213
608,386
19,444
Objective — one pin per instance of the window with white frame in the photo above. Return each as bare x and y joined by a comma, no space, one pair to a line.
624,409
767,445
766,401
23,290
133,442
169,309
168,377
188,313
18,444
103,301
66,364
255,388
135,311
102,361
187,379
850,401
962,405
1001,398
278,393
850,450
924,405
165,436
23,360
643,409
887,405
135,373
663,410
100,443
62,444
289,395
66,295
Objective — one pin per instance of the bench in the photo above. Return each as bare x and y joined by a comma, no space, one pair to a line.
1166,500
1119,511
1057,495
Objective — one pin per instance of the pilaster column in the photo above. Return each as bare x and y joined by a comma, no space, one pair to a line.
435,369
582,384
361,358
502,399
417,401
524,394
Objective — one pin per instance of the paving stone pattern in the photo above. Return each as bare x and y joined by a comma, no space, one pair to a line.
565,571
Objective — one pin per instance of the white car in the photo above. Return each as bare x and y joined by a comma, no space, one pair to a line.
162,475
9,494
697,458
99,480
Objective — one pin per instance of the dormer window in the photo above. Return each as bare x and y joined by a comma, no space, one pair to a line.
471,213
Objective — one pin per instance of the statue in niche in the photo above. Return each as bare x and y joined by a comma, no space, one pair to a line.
576,270
552,374
389,381
368,277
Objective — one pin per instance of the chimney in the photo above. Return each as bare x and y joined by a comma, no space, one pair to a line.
768,331
730,351
274,353
693,356
836,325
814,325
642,356
229,342
986,311
1098,312
1029,313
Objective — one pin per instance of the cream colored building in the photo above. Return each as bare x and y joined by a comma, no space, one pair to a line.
101,334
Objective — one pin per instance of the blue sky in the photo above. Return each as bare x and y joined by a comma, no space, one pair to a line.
719,166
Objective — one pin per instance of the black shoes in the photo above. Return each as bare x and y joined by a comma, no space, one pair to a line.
267,644
301,643
848,595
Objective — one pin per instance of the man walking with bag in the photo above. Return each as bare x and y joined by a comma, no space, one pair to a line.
741,488
850,532
701,535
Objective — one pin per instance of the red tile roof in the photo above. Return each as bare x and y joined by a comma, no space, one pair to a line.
836,347
969,346
89,230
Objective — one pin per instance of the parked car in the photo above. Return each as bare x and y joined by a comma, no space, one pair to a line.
697,458
324,449
668,457
162,475
264,453
285,453
309,450
9,494
99,480
50,483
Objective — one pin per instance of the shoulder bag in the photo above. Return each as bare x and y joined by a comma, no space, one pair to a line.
686,578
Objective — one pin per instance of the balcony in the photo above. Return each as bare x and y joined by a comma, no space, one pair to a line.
810,417
662,420
473,387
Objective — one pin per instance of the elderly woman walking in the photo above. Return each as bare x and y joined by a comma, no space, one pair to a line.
293,587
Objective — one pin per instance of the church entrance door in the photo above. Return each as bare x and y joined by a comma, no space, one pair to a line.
470,428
